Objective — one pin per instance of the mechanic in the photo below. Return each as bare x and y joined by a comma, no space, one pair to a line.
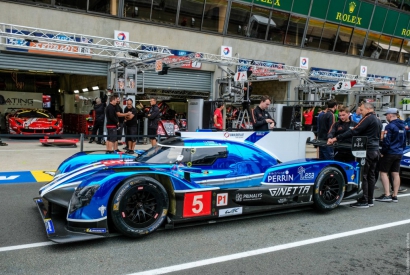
342,125
153,118
121,116
262,121
218,121
99,109
370,126
112,124
247,92
131,122
326,122
308,115
393,144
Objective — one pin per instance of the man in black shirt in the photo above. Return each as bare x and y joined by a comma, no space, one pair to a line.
153,118
326,122
342,125
112,123
369,126
131,123
262,121
121,116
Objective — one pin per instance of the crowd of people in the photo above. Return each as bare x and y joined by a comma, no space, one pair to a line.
119,121
384,146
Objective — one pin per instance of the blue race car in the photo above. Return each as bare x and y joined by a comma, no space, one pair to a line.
405,165
196,178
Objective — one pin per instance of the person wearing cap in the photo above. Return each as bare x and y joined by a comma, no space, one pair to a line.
394,142
369,126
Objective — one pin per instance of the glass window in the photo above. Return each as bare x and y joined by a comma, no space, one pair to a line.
394,50
343,40
295,31
313,34
406,5
165,12
74,4
214,15
103,6
258,23
384,43
190,13
238,19
328,36
356,44
371,49
391,3
405,52
207,156
139,9
280,21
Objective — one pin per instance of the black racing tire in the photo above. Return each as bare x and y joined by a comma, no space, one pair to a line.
329,189
139,206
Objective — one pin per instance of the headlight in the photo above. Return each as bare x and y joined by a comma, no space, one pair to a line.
82,197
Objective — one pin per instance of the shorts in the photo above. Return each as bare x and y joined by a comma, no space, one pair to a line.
119,131
131,131
152,132
390,163
112,134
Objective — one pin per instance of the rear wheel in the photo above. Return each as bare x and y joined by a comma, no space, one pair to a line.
329,189
139,206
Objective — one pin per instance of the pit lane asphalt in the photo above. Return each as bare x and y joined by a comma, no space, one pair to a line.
377,252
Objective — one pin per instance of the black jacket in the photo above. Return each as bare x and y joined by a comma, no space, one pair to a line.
370,126
99,112
111,113
394,140
259,117
340,127
154,116
326,122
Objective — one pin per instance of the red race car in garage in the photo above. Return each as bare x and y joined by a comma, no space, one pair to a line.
33,121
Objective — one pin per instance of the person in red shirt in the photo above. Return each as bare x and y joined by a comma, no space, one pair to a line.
218,124
308,114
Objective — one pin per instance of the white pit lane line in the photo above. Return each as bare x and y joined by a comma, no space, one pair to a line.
238,255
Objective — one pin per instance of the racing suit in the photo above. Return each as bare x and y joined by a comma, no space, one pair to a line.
326,121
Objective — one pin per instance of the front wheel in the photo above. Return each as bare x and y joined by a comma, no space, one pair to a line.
139,206
329,189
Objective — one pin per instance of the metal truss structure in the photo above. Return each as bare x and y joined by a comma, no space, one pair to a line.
23,37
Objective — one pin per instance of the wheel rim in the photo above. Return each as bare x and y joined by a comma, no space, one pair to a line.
140,208
329,190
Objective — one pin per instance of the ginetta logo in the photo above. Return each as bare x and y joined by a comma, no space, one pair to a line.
287,191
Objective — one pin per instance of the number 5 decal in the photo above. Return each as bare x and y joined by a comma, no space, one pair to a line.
197,204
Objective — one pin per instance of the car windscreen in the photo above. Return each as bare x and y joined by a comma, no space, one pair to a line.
34,114
162,155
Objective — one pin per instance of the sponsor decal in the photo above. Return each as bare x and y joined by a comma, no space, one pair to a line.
288,191
49,226
9,177
305,176
222,199
96,230
197,204
248,197
115,206
102,209
407,160
112,162
280,176
282,200
230,211
349,18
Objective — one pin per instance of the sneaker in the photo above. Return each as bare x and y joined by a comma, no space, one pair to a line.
383,198
402,189
394,199
371,204
109,152
117,151
125,148
130,152
3,144
91,141
360,205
